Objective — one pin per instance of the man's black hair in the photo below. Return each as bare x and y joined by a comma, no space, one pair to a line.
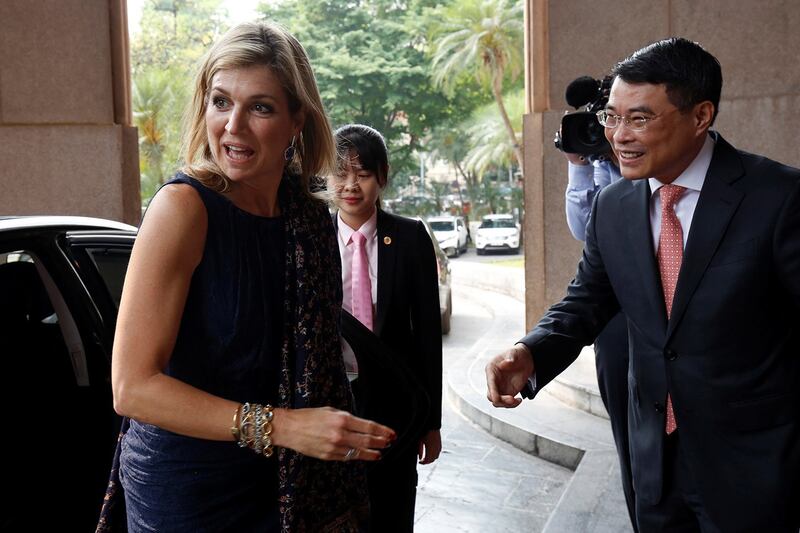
368,144
691,74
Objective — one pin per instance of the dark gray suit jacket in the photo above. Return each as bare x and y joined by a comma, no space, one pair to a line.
729,354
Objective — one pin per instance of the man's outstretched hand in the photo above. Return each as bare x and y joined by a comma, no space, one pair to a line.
507,374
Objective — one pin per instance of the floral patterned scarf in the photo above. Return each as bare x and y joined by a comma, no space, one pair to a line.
315,495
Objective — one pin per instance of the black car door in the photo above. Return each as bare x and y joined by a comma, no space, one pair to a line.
57,314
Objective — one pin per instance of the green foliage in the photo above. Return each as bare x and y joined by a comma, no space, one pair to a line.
152,97
377,62
492,196
369,57
482,38
478,37
422,206
491,146
173,36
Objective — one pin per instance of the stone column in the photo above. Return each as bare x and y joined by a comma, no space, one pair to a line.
67,144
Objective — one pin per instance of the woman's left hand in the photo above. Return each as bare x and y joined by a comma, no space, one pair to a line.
330,434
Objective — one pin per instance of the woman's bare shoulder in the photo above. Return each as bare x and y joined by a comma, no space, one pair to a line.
175,224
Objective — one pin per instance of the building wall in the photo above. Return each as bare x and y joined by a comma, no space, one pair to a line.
756,42
66,141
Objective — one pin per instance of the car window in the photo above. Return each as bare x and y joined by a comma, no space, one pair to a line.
441,225
111,263
36,325
498,223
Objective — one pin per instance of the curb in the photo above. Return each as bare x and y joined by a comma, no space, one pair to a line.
565,424
593,501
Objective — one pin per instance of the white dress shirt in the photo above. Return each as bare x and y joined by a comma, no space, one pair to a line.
692,178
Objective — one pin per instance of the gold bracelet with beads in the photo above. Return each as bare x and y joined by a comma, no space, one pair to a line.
255,428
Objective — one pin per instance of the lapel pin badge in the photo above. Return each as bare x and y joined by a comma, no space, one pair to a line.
387,240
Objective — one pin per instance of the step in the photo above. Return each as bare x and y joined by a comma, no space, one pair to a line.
577,385
555,431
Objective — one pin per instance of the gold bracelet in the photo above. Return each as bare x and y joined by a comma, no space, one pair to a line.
245,425
255,428
235,427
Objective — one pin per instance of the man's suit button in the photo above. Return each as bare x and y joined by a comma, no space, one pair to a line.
670,354
659,407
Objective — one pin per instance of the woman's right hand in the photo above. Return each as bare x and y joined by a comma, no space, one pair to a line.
329,434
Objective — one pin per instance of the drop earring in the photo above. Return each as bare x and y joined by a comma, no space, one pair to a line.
288,154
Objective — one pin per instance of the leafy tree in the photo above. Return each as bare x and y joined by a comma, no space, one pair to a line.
369,57
483,38
486,199
173,36
491,146
452,144
153,97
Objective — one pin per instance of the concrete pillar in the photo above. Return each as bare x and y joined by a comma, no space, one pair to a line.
755,41
67,144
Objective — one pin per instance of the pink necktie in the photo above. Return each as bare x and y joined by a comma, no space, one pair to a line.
670,255
361,285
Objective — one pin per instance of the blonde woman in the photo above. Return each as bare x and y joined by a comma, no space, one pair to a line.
228,325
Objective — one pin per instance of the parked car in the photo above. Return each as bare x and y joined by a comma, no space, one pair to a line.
497,232
443,267
451,234
60,286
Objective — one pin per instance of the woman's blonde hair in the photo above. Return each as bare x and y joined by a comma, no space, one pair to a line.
273,46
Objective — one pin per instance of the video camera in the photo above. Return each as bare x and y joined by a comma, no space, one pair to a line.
581,133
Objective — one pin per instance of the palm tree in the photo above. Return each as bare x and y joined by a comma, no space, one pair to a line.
490,145
151,97
483,37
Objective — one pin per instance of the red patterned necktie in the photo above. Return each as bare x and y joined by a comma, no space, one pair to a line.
670,255
361,285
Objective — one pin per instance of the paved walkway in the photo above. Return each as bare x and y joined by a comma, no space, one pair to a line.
566,424
481,484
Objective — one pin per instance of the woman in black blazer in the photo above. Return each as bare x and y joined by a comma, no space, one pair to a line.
405,313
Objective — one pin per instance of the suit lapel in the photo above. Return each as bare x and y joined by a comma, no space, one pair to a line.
716,206
387,255
635,206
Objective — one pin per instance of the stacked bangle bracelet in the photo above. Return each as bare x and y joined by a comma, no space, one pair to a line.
252,428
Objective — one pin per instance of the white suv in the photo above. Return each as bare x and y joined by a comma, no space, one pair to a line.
497,232
451,233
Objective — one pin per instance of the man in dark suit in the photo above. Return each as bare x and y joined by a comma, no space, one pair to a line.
699,246
390,261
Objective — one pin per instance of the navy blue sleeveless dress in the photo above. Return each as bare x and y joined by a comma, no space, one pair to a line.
229,345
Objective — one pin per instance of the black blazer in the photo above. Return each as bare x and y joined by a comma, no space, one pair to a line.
407,316
729,354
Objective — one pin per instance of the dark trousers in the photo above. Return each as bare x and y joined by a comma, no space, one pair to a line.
611,358
392,494
680,509
391,482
